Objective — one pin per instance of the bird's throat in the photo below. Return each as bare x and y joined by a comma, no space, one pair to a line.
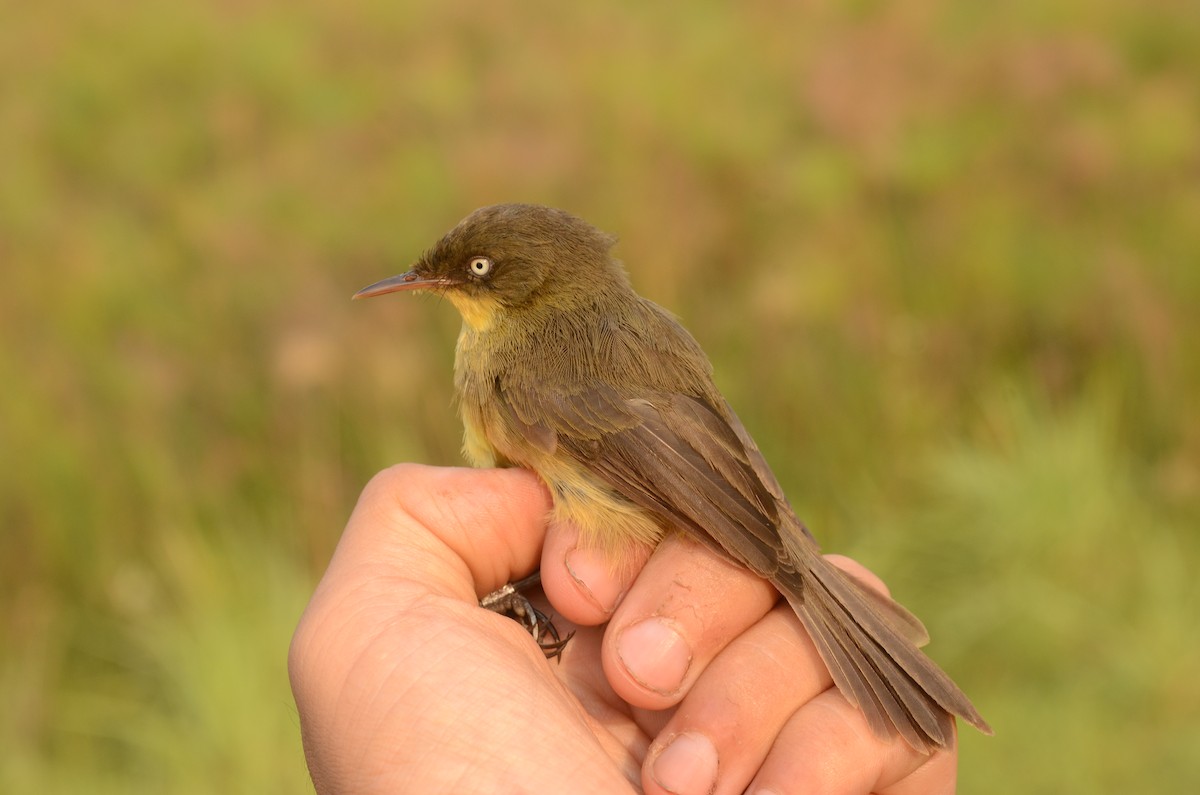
478,313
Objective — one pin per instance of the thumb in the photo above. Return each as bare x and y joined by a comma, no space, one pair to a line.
452,531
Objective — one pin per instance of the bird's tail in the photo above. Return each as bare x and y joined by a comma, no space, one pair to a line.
869,643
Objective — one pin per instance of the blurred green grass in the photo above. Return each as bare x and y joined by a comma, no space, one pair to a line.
945,259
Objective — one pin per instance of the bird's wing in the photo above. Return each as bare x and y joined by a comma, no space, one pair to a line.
672,454
678,457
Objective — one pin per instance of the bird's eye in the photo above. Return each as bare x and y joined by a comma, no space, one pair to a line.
481,266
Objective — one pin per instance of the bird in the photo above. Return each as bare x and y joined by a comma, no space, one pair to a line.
563,369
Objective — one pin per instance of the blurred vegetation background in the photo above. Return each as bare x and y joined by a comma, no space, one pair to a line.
945,256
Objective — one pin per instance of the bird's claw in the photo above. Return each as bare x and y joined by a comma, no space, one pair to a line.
509,601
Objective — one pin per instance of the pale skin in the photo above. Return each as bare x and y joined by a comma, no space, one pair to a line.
686,675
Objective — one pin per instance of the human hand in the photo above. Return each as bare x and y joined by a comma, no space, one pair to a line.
403,683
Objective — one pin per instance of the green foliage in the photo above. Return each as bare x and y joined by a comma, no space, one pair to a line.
944,257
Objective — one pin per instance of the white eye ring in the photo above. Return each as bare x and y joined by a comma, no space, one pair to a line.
480,266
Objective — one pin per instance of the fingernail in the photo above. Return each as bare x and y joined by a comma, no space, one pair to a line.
688,766
655,654
593,571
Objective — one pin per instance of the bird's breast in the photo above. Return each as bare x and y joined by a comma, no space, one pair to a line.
492,436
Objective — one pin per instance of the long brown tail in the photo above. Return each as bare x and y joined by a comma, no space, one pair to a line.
870,644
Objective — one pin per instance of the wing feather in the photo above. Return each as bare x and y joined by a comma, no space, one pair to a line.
688,461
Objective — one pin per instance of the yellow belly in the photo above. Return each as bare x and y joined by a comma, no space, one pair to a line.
605,519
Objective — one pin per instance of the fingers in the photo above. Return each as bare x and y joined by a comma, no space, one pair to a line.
425,524
392,652
852,760
860,572
584,584
687,604
416,531
667,620
419,531
752,690
730,718
766,704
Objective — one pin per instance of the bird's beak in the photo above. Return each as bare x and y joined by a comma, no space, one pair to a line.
409,280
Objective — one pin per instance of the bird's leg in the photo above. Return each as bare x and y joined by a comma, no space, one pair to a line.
510,601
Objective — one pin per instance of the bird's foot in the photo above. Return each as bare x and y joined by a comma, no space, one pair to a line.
510,601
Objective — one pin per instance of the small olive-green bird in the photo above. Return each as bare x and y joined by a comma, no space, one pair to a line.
563,369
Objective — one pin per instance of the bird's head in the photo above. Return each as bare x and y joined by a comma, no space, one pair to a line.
511,258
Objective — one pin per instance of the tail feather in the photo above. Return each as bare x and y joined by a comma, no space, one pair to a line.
869,644
908,705
861,687
905,622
